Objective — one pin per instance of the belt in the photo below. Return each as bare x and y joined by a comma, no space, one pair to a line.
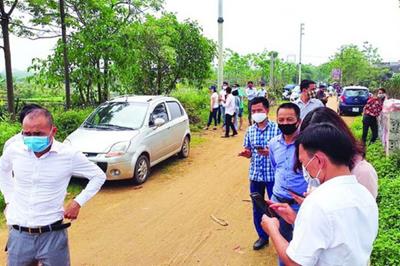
283,200
43,229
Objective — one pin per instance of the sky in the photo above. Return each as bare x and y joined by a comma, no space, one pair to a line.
253,26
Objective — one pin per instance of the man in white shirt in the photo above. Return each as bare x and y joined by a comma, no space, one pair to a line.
338,222
229,113
251,93
307,101
222,99
42,168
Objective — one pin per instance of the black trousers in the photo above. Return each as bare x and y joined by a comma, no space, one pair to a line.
213,115
370,121
229,124
249,113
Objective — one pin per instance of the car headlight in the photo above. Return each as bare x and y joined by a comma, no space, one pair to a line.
118,149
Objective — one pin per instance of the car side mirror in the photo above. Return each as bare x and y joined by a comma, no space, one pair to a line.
158,122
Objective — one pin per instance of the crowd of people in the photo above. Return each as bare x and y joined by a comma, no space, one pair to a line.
321,207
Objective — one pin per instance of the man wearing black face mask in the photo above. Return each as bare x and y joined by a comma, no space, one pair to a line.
282,154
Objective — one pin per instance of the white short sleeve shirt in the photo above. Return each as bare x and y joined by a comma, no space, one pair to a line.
336,225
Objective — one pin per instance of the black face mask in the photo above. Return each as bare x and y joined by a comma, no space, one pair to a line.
288,129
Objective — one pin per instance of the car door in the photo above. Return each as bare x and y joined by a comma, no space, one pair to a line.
178,124
158,139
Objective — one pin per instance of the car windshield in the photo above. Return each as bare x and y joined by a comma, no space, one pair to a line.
117,116
356,93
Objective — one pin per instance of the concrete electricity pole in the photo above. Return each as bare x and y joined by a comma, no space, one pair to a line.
220,45
301,44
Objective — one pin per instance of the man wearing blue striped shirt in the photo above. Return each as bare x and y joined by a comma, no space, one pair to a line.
261,173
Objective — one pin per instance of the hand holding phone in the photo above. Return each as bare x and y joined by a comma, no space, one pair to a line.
261,204
292,191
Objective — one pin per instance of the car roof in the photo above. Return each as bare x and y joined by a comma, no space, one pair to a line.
355,88
142,98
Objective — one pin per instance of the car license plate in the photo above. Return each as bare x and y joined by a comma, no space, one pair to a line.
356,109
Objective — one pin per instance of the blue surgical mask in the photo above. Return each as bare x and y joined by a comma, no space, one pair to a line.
37,143
312,181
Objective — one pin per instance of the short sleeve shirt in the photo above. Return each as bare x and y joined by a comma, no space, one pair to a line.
305,108
260,166
336,225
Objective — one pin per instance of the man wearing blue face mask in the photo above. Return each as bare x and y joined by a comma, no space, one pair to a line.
256,148
42,168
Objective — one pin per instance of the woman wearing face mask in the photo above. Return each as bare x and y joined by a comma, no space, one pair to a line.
364,171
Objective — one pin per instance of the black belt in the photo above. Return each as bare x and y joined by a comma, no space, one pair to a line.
43,229
288,201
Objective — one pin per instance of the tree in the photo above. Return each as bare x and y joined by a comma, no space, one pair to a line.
5,24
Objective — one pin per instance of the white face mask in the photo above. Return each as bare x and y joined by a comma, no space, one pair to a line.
224,87
312,181
259,117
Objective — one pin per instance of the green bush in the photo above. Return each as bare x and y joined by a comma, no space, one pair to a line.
196,103
7,129
387,245
67,122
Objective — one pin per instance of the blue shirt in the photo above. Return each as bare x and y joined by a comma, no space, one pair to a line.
283,159
260,166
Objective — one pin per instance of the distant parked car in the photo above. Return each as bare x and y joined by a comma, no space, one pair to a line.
295,94
353,99
287,90
128,135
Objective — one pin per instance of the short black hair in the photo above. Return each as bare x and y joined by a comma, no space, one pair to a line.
225,83
249,82
325,137
262,100
26,109
382,89
305,84
228,89
34,113
290,106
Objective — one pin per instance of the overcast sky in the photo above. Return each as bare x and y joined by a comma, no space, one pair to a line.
255,25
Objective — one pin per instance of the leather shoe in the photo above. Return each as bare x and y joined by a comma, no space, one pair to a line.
260,243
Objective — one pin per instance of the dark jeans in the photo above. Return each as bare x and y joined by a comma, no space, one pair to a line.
370,122
213,115
220,114
229,124
249,113
260,187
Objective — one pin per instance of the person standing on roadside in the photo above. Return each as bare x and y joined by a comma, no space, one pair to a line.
372,110
238,102
261,173
262,92
282,152
34,175
214,105
338,222
322,95
382,95
229,113
251,93
307,101
222,98
241,106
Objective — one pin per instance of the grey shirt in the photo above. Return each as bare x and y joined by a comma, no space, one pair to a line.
305,108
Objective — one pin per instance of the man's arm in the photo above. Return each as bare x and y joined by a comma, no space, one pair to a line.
6,181
271,226
87,169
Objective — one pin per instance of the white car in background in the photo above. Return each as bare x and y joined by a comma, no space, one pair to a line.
128,135
295,93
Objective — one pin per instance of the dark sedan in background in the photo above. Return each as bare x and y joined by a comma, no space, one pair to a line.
353,99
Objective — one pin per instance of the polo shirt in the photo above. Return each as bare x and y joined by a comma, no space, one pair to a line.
305,108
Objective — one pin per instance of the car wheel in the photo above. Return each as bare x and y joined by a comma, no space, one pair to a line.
142,169
184,153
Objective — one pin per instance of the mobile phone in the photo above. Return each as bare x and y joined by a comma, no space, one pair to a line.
262,205
259,147
294,192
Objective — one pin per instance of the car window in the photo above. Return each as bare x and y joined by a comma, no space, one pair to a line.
118,115
356,93
175,110
159,112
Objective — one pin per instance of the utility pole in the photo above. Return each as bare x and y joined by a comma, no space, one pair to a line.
271,70
220,45
65,56
301,46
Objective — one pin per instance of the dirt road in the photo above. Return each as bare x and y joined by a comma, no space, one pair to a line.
167,221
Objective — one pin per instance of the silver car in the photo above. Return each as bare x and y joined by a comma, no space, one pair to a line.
128,135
